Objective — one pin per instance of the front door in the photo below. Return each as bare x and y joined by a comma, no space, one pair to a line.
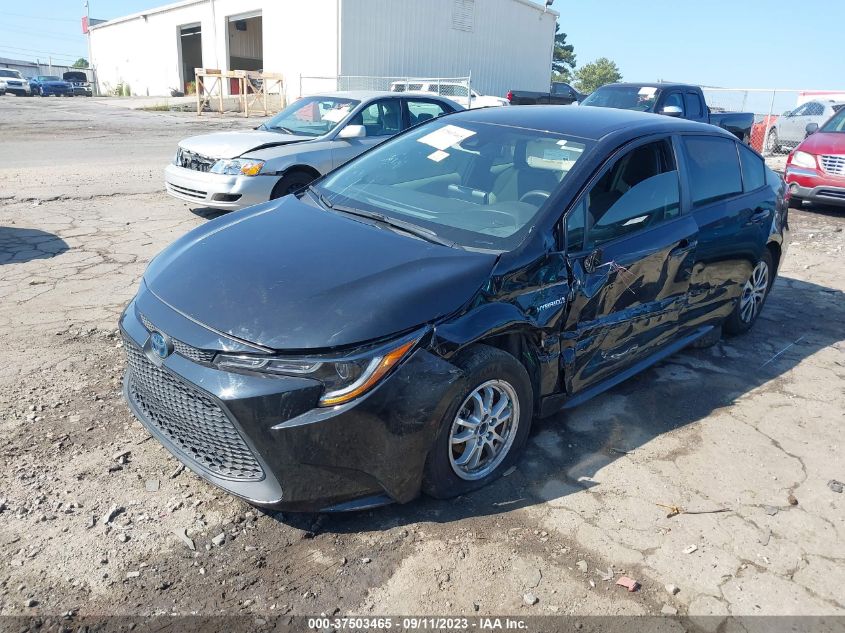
382,119
630,251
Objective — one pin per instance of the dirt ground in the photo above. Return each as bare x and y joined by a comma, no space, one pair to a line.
96,518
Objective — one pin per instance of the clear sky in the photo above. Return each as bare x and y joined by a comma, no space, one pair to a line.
730,43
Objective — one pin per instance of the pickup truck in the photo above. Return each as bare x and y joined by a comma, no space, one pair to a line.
559,94
676,100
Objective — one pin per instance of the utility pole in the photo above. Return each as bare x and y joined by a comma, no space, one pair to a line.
88,37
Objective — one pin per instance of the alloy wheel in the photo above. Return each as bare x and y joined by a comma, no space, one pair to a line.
483,430
754,293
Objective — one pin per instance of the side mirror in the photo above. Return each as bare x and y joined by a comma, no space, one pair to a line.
353,131
672,110
811,128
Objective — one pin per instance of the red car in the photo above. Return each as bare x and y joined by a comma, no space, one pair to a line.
815,170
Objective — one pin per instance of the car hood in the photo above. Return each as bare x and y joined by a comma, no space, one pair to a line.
234,144
290,276
824,143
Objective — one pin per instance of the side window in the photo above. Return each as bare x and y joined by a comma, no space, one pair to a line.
800,111
815,109
420,111
753,169
381,118
674,99
693,104
639,191
452,90
713,168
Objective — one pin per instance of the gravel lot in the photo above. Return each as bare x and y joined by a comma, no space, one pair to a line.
97,519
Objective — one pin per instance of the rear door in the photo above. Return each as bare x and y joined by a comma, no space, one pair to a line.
420,109
630,250
733,215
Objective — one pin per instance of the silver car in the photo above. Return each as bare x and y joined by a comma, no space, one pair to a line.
312,136
791,127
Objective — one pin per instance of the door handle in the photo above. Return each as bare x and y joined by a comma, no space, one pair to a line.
760,215
683,247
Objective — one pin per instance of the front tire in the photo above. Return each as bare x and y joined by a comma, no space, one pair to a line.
753,297
772,142
292,182
485,428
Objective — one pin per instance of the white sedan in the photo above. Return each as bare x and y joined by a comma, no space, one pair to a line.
312,136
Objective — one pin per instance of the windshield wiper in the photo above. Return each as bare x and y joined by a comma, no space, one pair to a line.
279,128
399,225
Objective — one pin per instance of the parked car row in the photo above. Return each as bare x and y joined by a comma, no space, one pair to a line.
430,280
71,83
815,170
790,129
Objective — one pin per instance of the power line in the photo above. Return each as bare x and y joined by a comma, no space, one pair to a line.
31,51
52,34
39,17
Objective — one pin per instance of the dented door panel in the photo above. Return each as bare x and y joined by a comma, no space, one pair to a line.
629,306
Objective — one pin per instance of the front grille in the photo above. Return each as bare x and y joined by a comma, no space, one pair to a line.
834,164
191,193
838,194
183,349
192,160
191,420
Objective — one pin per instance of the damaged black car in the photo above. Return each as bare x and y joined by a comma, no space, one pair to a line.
395,327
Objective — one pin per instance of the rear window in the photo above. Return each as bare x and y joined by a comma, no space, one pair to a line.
713,168
753,169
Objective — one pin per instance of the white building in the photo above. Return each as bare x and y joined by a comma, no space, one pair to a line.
501,44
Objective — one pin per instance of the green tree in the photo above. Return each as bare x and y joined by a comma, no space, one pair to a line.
596,74
563,57
80,63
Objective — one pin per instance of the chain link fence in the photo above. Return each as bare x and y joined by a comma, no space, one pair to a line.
780,116
459,89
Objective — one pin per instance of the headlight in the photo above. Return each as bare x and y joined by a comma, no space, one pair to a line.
803,159
237,167
177,157
343,379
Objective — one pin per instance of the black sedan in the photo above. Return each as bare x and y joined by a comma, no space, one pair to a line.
396,326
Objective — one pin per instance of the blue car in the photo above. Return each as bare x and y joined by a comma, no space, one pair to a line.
46,85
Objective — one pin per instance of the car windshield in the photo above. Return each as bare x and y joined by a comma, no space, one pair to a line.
474,185
10,73
836,123
48,78
640,98
311,116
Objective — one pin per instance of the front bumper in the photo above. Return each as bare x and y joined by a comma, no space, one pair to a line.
81,91
19,90
813,186
58,92
263,438
216,190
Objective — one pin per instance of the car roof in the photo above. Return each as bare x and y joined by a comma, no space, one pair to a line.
586,122
359,95
654,84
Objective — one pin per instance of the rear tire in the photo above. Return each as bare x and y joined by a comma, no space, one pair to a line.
772,143
292,182
486,426
753,297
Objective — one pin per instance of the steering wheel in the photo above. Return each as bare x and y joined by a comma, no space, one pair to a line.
534,193
511,220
